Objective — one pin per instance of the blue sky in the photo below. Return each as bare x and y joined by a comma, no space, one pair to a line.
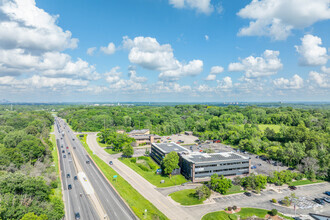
164,50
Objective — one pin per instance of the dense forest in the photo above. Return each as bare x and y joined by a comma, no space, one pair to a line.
302,137
28,177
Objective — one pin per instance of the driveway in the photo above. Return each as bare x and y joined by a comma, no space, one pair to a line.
146,189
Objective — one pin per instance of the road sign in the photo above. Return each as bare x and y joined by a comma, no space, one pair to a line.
115,176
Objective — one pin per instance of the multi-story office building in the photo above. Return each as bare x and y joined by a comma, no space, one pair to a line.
160,150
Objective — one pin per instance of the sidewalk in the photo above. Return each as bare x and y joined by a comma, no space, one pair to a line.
146,189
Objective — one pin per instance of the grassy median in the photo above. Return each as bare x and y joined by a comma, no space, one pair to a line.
58,190
186,197
305,182
134,199
243,214
146,168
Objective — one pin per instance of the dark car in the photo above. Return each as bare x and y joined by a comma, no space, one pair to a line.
61,146
69,186
87,161
327,193
319,201
74,147
73,139
68,175
77,215
63,151
64,156
75,178
69,153
110,162
290,168
292,187
248,194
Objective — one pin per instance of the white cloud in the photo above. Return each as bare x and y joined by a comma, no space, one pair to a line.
133,76
113,76
311,52
110,49
91,50
148,53
296,82
201,6
276,18
211,77
321,79
23,25
204,88
268,64
216,69
325,69
170,87
206,37
94,89
226,83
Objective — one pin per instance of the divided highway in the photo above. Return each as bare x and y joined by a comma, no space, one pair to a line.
111,203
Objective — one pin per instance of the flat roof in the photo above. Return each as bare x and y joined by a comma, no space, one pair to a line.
169,147
142,131
197,157
144,136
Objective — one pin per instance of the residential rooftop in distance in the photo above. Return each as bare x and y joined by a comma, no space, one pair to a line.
169,147
139,132
197,157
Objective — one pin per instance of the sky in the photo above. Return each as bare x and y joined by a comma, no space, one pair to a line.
164,50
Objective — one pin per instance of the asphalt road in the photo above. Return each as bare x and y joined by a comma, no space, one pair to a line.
112,203
74,202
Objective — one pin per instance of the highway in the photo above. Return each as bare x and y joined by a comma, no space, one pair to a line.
112,204
76,201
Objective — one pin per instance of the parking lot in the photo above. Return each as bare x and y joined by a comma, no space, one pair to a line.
187,139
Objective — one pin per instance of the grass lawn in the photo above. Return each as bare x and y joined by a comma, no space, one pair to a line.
109,151
58,190
263,127
151,175
235,189
244,213
305,182
134,199
186,197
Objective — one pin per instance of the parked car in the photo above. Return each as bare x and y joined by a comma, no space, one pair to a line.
69,186
327,193
327,199
77,215
253,167
248,194
319,201
74,147
73,139
68,175
290,168
75,178
292,187
110,162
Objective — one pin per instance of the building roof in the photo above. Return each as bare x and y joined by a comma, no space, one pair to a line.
144,136
197,157
143,131
169,147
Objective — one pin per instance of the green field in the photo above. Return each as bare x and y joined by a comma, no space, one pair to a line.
276,128
234,189
305,182
134,199
186,197
109,151
243,214
151,175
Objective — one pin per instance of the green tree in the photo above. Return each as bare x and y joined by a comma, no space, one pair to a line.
170,162
32,216
128,150
203,192
220,184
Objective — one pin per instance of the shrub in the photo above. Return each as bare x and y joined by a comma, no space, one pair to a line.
299,176
142,167
234,207
143,158
274,201
229,208
273,212
203,192
151,165
133,160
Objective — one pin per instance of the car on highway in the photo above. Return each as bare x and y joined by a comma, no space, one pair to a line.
327,199
327,193
110,162
68,175
67,147
64,156
292,187
248,194
73,139
319,201
69,186
69,153
75,178
77,215
74,147
63,151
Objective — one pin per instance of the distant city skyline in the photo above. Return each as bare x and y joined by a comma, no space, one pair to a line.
164,51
